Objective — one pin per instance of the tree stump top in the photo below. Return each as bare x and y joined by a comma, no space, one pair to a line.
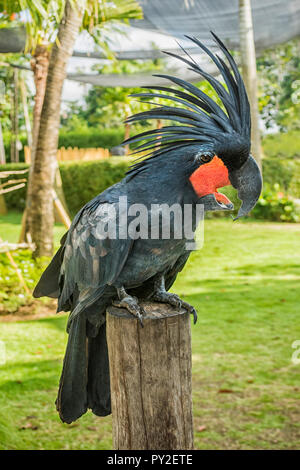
153,311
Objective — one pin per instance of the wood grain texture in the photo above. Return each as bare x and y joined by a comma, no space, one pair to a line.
150,374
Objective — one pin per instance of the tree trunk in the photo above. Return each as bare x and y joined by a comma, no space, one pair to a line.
2,149
248,62
40,212
14,151
39,65
25,110
150,378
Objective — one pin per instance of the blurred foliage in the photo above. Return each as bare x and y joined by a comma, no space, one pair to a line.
294,186
6,96
109,106
12,294
282,145
22,138
280,171
82,181
82,137
279,86
91,137
276,205
15,199
41,18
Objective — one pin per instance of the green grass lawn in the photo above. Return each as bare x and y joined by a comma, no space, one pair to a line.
10,228
246,390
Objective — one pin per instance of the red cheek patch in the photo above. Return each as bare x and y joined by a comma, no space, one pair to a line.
210,176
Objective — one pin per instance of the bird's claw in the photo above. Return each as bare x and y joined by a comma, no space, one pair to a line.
132,306
190,309
175,300
194,313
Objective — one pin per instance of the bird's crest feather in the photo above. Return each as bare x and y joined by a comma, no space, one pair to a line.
201,119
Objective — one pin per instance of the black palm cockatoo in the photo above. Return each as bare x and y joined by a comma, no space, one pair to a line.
205,147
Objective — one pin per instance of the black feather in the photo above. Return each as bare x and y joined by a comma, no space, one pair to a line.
200,119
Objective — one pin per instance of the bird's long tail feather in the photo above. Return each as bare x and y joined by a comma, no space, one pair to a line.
71,402
84,381
98,387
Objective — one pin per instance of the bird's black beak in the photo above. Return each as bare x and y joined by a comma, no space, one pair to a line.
248,182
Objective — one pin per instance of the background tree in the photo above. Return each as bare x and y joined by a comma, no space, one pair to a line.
279,87
40,212
45,21
41,19
110,106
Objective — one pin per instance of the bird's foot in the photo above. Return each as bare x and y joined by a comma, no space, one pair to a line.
176,301
132,305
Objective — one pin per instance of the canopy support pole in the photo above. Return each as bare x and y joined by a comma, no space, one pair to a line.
248,63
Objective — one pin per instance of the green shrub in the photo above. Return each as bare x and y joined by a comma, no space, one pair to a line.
82,181
275,205
282,145
6,141
12,294
91,137
279,171
294,187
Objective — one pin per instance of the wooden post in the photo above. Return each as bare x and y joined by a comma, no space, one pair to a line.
58,188
62,213
150,377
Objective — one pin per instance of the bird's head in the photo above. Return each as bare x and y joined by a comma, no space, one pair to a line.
211,142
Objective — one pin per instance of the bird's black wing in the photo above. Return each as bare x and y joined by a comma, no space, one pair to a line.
48,285
171,275
94,255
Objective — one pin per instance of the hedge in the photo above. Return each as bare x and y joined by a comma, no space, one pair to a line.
281,171
84,180
281,145
91,137
285,145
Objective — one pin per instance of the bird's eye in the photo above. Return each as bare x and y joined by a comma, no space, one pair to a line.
205,157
